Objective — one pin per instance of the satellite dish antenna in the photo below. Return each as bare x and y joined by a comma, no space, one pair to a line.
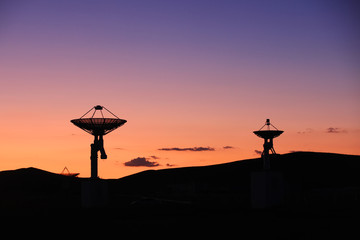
268,135
98,127
66,172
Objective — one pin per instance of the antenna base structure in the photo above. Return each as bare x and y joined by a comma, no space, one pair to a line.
98,127
98,145
268,135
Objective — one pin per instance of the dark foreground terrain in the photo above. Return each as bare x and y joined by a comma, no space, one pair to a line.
321,200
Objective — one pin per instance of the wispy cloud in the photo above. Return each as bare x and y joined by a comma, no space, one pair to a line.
307,130
258,152
141,162
194,149
335,130
228,147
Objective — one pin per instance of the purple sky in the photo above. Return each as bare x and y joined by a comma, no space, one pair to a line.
184,74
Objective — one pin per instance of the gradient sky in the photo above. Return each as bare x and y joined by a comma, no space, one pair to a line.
184,74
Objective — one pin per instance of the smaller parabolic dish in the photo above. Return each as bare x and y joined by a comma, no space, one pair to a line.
268,134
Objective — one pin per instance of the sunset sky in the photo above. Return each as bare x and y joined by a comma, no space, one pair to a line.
192,78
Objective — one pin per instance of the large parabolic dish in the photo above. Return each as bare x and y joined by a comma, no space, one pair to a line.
98,126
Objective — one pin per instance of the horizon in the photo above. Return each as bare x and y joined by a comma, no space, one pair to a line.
193,80
144,169
175,167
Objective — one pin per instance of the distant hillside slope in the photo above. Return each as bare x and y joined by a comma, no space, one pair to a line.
32,187
308,168
308,177
310,180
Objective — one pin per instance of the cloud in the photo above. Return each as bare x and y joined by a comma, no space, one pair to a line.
154,157
194,149
258,152
228,147
141,162
335,130
307,130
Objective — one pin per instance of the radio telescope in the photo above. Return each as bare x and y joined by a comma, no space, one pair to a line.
98,127
268,135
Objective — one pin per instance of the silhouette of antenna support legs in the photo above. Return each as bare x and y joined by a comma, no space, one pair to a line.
268,146
98,145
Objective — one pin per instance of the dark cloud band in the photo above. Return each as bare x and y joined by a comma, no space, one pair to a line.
141,162
335,130
193,149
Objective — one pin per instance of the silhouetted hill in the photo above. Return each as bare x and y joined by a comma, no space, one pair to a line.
308,168
32,187
317,186
311,179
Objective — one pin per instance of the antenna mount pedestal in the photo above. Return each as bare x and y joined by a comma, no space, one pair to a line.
98,145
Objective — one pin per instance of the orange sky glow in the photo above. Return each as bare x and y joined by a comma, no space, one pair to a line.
182,75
